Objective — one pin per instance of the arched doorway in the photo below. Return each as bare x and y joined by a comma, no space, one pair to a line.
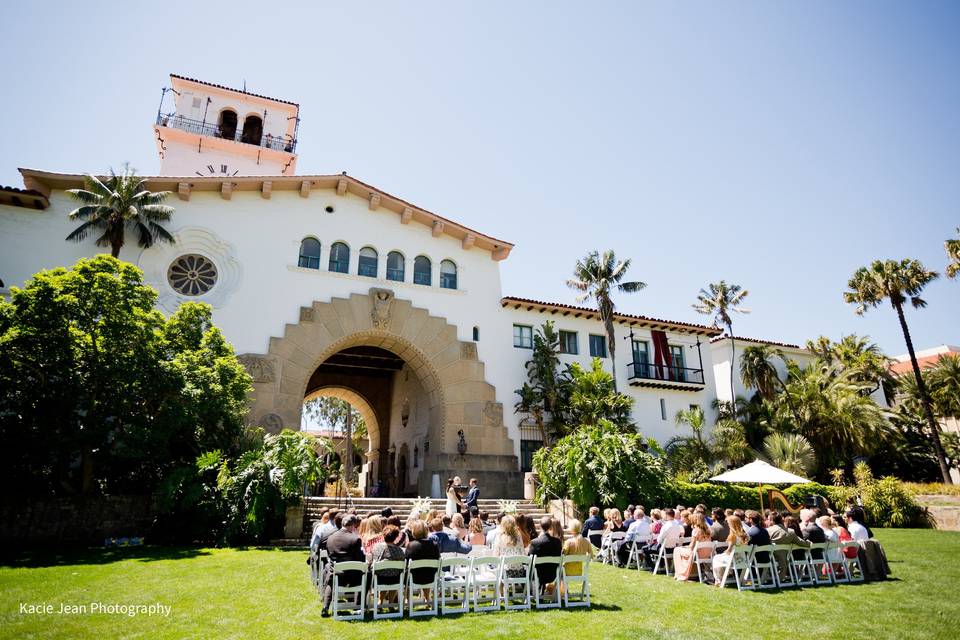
437,387
252,130
227,124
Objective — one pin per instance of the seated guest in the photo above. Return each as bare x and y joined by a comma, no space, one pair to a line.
737,536
614,521
334,525
740,513
371,532
344,545
524,530
476,536
628,517
811,532
485,520
780,534
702,510
387,549
757,534
402,537
446,542
593,523
509,543
826,524
531,528
719,530
329,527
546,545
854,520
493,533
686,524
315,535
576,545
669,536
683,564
638,534
421,547
458,527
656,522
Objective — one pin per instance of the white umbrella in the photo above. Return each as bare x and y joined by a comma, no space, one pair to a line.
760,472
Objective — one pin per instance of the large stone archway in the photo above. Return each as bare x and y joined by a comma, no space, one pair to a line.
449,372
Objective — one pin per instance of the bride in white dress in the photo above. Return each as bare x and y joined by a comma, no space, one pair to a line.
454,504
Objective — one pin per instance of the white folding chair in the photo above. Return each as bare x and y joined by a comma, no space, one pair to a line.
665,555
852,568
515,588
485,583
379,589
634,559
318,563
351,600
801,563
580,598
595,537
704,562
739,565
783,558
455,585
542,600
764,567
821,566
608,546
422,594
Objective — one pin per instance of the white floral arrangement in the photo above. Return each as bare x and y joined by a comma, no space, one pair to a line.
508,507
421,505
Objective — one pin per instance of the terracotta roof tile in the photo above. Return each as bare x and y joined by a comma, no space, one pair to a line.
772,343
220,86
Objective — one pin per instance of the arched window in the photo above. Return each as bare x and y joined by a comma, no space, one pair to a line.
367,265
395,266
252,130
448,275
309,253
227,124
339,258
476,334
422,269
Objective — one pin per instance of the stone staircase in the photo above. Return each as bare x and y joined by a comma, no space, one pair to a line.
314,507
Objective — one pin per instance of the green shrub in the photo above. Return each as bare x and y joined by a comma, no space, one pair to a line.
933,488
601,466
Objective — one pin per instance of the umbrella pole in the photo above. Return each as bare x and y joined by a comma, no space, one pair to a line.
760,491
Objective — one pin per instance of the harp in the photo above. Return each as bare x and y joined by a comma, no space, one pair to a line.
776,495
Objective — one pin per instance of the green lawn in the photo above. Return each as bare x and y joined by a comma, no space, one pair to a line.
265,593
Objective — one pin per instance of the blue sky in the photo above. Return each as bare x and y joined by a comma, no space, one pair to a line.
776,145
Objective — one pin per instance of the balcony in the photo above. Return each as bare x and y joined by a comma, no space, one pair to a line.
644,374
173,121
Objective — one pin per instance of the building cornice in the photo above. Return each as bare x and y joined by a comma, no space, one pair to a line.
565,310
44,182
772,343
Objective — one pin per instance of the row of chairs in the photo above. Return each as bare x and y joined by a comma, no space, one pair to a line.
485,583
759,567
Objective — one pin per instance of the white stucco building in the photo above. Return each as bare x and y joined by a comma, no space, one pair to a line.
327,285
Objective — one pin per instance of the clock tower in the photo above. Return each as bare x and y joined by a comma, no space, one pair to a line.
217,131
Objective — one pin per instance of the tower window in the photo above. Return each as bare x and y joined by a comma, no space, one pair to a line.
422,268
395,266
448,275
227,125
476,334
252,130
339,258
367,262
309,253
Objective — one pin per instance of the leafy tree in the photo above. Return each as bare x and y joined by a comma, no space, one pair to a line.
757,370
719,300
952,248
331,413
899,282
790,452
858,356
593,397
944,379
542,397
601,465
98,392
695,456
597,277
112,205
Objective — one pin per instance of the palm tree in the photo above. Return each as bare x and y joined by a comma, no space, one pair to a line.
898,282
719,301
597,277
757,370
109,206
945,383
953,254
686,451
790,452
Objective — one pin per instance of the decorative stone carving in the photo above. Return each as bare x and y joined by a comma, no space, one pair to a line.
382,304
259,368
307,314
405,413
493,414
271,423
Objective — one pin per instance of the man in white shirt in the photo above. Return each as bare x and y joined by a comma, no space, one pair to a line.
670,534
493,533
637,534
857,531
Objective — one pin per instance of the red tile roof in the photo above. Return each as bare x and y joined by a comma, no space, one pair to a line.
620,317
220,86
772,343
900,368
27,198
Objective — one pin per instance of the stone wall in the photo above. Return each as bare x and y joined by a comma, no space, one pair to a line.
76,521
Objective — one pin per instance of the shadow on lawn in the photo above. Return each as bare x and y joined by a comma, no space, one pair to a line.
49,558
470,614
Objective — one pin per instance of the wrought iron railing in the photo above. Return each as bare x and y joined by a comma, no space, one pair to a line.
174,121
648,371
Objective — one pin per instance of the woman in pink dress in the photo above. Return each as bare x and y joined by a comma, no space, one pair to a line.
683,556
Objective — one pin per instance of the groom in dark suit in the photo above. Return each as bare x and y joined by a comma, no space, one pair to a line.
473,496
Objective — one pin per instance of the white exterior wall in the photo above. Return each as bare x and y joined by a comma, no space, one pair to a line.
646,409
720,355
